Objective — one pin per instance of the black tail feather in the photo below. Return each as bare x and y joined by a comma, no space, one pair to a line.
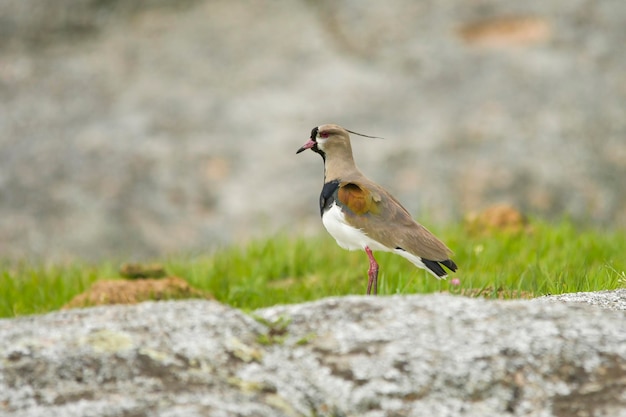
435,266
449,263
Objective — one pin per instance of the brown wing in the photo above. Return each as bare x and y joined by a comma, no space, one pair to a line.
385,220
359,200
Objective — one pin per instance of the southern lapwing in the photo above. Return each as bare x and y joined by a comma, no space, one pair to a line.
360,214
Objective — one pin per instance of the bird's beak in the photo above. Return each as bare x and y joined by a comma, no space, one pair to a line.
311,143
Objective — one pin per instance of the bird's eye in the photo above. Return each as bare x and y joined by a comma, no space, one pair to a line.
323,135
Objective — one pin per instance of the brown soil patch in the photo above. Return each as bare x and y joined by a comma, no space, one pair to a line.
499,217
490,292
506,31
131,292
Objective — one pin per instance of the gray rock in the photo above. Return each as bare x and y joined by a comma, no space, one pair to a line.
611,300
431,355
140,128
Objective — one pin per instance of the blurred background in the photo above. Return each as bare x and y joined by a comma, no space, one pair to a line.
141,128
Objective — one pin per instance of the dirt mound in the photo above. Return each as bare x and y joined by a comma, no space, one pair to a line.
499,217
131,292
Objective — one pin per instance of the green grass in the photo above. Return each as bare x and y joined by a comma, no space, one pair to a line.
552,259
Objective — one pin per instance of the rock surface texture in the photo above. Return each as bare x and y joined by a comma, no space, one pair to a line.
146,127
355,356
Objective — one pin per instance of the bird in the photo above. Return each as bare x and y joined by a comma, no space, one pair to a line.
361,215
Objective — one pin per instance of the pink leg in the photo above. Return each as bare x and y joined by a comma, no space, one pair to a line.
372,272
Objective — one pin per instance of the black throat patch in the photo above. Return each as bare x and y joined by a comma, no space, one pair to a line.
327,197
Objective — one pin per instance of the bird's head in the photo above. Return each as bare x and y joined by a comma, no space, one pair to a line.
326,137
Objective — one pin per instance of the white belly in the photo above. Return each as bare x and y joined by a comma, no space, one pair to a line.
348,237
351,238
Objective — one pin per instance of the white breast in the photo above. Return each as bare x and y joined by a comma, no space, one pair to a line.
348,237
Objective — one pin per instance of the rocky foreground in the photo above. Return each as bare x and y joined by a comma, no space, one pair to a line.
433,355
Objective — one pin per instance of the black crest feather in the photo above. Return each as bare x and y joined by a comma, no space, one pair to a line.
365,136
